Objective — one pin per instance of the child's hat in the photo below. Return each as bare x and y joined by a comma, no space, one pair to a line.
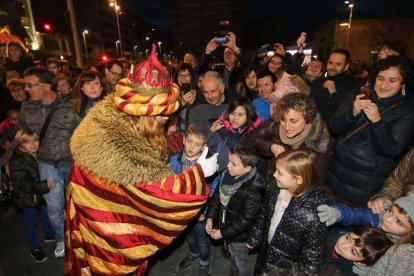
407,203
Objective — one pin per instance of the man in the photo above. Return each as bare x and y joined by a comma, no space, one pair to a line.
330,91
53,66
190,59
54,155
212,103
265,87
113,73
231,72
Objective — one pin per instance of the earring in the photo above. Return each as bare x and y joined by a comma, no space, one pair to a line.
403,90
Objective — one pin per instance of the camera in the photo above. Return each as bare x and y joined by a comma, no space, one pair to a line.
185,88
222,40
265,51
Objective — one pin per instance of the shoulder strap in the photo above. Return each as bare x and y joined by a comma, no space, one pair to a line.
46,124
364,125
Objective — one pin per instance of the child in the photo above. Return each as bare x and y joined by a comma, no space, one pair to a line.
198,242
236,204
28,189
227,132
288,227
397,220
362,245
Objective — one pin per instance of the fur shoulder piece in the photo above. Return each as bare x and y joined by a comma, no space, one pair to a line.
105,145
300,84
319,138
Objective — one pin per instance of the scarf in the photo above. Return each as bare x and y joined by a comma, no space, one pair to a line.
229,185
296,141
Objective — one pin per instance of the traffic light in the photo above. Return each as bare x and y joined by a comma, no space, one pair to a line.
104,58
47,27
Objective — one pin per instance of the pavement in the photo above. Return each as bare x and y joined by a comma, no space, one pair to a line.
15,259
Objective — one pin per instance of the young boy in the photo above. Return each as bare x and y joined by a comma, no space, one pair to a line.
236,204
362,245
198,242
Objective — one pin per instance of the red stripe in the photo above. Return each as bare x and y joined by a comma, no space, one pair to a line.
128,95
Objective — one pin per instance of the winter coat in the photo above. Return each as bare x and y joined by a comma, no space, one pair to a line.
360,165
318,141
328,103
356,216
300,237
401,181
241,211
54,149
24,176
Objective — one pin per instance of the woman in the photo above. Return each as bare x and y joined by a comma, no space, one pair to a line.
89,89
362,162
295,123
249,85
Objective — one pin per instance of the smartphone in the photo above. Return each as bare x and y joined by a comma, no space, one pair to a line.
222,40
366,91
185,88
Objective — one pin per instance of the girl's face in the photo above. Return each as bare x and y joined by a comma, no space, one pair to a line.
63,87
251,80
92,89
396,223
346,248
14,53
275,63
388,82
30,146
293,123
238,117
183,77
284,179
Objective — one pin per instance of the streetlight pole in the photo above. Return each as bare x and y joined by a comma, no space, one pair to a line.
84,33
117,49
351,8
117,8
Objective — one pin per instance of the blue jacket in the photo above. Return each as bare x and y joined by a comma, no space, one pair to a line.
356,216
223,140
262,108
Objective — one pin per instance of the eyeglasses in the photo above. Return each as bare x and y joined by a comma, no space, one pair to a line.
18,89
119,75
183,75
276,62
29,85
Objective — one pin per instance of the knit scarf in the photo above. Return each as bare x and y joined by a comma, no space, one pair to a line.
229,185
296,141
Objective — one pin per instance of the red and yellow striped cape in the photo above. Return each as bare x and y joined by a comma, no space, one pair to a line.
114,229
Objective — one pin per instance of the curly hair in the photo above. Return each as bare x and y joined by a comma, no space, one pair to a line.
298,102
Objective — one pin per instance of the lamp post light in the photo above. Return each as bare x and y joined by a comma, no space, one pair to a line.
116,7
351,9
135,49
117,49
84,33
159,46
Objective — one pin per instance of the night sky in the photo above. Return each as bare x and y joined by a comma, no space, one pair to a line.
301,14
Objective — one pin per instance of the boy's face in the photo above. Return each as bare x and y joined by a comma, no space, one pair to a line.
395,223
346,248
193,145
235,166
30,146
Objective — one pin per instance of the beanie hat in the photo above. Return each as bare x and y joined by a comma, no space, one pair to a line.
407,203
147,90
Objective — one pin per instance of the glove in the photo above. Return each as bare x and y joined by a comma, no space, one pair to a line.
328,214
209,166
360,270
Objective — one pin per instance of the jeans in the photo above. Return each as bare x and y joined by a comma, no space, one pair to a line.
239,258
199,243
30,225
55,199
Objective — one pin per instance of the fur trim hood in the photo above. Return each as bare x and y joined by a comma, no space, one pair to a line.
319,138
105,145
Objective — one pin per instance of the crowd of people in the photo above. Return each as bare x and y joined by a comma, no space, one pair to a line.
315,164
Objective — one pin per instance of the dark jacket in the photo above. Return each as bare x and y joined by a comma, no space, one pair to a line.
24,175
54,149
318,141
242,208
300,237
360,165
356,216
327,103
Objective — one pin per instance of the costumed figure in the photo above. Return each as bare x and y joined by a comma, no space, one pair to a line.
123,203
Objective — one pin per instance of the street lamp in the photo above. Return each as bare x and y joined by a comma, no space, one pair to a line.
114,4
351,9
116,45
84,33
159,46
135,49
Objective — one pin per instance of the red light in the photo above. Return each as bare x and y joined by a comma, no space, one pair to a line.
105,58
47,27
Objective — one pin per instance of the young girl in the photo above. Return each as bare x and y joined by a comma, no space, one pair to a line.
228,131
288,227
89,89
28,189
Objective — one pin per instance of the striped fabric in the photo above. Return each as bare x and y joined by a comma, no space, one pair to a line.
114,229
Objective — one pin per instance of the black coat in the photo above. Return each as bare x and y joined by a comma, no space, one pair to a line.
360,165
24,175
327,103
242,209
300,237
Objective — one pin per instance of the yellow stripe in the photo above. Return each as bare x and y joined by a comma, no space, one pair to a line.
101,266
80,253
